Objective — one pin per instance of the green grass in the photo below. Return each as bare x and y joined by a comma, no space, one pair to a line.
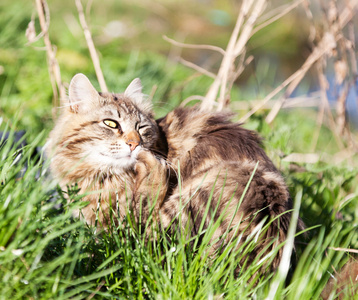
46,254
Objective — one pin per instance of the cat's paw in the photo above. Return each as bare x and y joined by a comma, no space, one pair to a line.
151,183
149,167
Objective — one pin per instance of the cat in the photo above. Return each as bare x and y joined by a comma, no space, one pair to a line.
111,146
98,143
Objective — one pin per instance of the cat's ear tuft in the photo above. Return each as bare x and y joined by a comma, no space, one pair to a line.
82,94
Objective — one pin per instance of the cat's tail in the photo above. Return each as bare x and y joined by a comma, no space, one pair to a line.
267,200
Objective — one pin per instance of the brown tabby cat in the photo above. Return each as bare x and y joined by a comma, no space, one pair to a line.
109,144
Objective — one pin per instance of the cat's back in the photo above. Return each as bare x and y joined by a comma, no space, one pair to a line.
208,138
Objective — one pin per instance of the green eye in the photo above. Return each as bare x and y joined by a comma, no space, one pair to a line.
110,123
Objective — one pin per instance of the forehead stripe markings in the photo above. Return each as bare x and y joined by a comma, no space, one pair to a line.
124,107
87,123
109,113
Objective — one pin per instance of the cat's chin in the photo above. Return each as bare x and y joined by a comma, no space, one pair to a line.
121,163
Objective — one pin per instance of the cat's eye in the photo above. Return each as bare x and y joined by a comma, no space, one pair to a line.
111,123
143,127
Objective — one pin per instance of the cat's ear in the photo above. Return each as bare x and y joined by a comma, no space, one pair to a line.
134,90
82,94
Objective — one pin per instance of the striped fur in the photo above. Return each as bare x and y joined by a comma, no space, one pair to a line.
219,157
211,154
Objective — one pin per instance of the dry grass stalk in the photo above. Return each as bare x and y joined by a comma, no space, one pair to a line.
190,46
341,110
292,78
249,12
319,122
307,158
343,56
344,249
54,68
276,14
326,45
91,47
196,67
323,83
351,46
312,101
192,98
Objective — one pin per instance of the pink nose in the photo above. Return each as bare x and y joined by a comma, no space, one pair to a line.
132,140
132,145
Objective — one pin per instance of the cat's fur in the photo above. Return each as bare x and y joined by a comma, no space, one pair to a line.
99,159
212,155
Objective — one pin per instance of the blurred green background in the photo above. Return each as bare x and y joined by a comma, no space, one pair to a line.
128,38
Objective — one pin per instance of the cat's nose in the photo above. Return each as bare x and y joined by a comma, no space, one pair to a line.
132,145
133,140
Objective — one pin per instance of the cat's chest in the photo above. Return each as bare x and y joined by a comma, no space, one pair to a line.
108,183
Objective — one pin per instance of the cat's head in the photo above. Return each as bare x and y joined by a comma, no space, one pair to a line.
102,131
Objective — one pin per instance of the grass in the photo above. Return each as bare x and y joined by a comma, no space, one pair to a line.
46,254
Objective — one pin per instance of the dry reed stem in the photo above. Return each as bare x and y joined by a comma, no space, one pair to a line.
319,122
282,11
323,88
313,31
96,291
250,11
226,76
191,98
341,110
351,49
211,95
308,158
239,43
278,89
196,67
31,32
293,102
344,249
312,158
192,46
91,47
326,45
54,68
